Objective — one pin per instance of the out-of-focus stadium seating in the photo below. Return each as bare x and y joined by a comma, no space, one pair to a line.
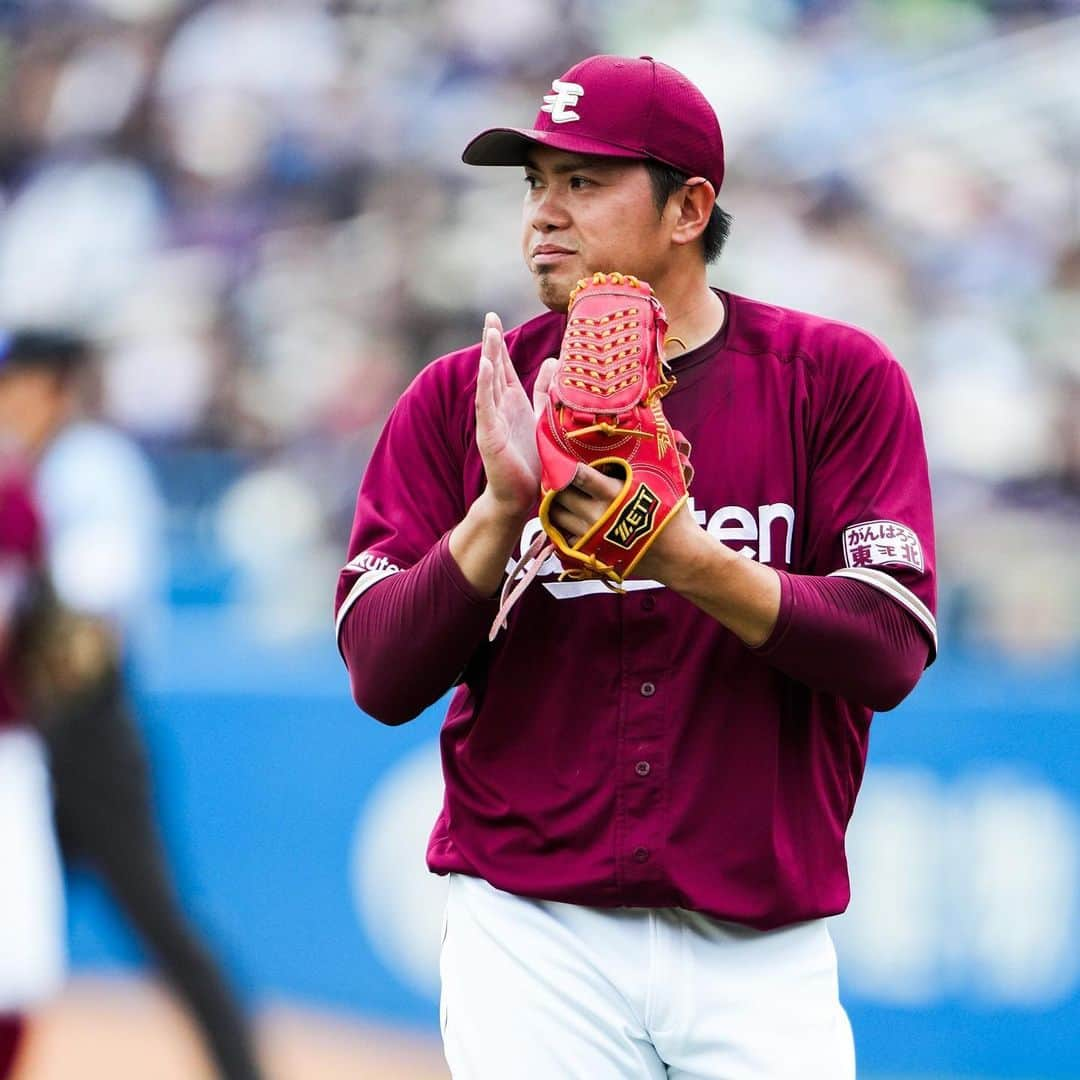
258,212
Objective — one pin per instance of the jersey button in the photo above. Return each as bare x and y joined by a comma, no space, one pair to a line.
648,689
642,768
641,854
648,603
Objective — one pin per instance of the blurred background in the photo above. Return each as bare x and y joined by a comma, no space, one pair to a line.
257,213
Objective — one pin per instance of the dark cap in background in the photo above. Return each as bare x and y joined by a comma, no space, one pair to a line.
54,350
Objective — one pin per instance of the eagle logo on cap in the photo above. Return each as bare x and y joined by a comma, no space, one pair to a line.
561,101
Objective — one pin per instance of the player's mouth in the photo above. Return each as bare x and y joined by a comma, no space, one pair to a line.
550,254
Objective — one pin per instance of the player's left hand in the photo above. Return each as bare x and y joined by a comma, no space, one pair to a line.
577,508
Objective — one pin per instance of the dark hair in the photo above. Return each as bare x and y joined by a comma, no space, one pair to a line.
53,350
666,180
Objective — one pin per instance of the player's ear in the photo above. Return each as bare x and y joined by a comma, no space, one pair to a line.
694,202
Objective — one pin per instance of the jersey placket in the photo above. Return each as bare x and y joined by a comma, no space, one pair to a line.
642,754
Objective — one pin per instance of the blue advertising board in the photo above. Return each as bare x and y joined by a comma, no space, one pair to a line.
297,826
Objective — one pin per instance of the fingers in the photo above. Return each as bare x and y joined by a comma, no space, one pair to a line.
597,484
490,352
493,332
575,513
485,395
504,366
571,525
577,502
509,375
488,391
505,377
543,384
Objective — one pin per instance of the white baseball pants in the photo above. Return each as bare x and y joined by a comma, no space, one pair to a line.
32,928
535,990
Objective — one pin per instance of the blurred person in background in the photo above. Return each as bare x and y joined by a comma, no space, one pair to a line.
31,901
104,556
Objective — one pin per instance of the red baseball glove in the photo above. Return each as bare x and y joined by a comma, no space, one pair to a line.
604,410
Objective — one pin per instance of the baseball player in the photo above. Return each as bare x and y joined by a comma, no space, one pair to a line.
32,953
100,513
646,791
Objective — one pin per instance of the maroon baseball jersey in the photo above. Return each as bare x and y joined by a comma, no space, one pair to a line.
20,555
628,749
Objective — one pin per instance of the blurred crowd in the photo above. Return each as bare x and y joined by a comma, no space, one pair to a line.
257,213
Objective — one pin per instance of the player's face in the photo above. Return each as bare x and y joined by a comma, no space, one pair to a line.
585,214
30,405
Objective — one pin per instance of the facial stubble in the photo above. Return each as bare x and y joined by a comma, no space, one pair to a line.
553,295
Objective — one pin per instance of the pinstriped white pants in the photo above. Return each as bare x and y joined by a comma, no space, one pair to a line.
535,990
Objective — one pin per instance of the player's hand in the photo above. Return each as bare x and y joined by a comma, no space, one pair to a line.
506,424
577,508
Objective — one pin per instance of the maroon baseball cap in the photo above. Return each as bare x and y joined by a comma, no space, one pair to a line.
617,106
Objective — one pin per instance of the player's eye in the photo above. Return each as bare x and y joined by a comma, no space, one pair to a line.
530,182
579,182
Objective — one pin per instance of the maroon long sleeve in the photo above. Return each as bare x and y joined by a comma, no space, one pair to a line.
847,638
407,640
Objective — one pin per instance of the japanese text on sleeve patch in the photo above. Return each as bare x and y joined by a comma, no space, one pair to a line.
882,543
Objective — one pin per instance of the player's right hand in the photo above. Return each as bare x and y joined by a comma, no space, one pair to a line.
506,423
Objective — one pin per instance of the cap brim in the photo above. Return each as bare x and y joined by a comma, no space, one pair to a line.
512,146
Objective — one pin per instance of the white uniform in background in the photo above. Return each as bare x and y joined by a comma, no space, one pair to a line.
104,526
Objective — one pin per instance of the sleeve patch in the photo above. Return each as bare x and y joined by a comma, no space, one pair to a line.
371,568
366,561
882,543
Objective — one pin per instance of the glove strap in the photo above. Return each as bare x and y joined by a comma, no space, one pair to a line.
514,587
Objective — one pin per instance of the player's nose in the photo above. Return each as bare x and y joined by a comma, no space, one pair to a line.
547,212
